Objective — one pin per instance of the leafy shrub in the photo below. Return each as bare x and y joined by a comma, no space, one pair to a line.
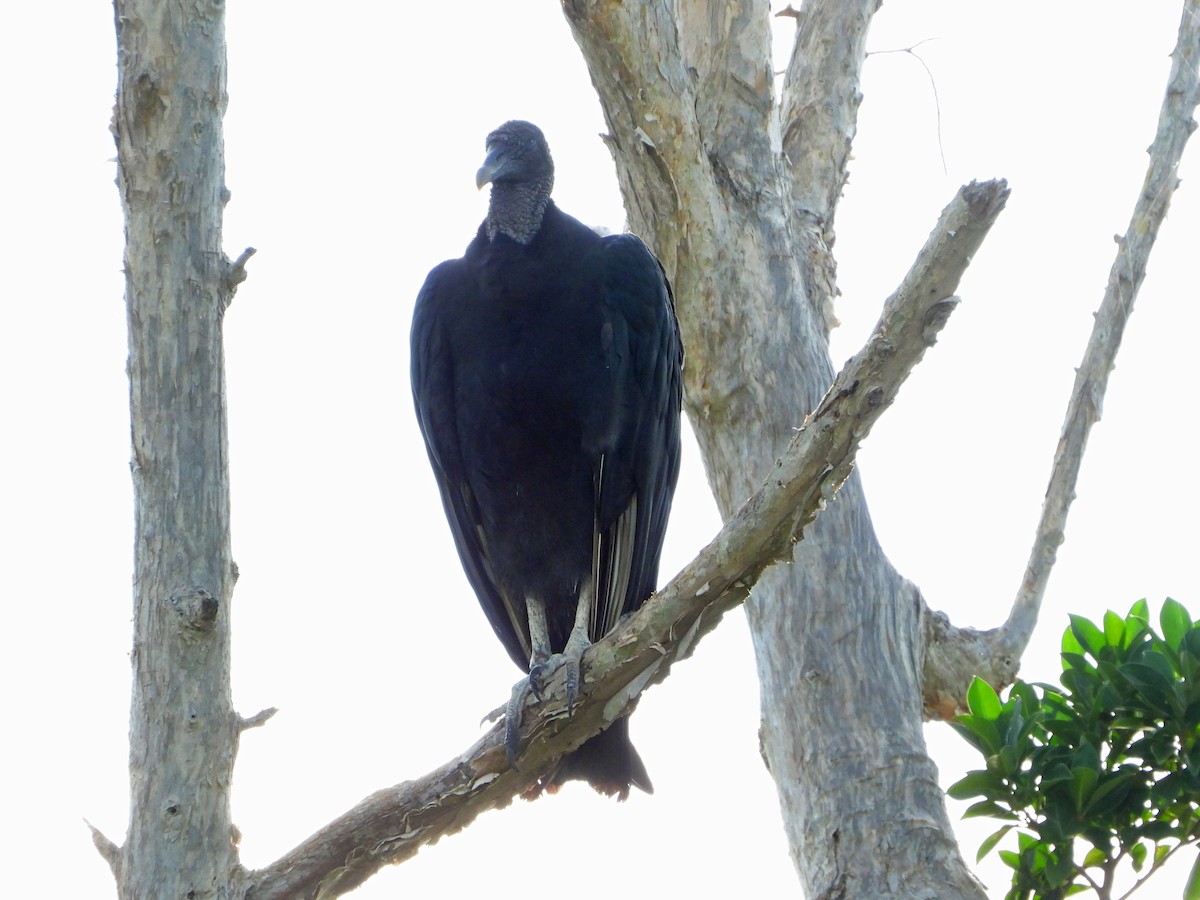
1108,765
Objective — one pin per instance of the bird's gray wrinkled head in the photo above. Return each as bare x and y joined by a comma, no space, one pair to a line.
519,169
516,151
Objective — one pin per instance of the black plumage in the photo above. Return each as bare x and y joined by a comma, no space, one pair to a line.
546,377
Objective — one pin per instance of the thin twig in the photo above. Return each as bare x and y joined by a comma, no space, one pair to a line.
937,103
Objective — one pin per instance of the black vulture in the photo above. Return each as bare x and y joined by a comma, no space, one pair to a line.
546,367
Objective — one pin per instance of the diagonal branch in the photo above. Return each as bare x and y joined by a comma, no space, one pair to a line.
1175,125
392,824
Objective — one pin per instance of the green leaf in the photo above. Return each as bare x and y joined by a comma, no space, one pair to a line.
1191,642
991,841
1110,793
1061,868
1139,611
1081,682
982,700
1058,772
1008,762
1083,783
1156,831
1153,687
1163,660
1095,857
1013,860
1175,622
1015,729
1138,854
980,733
1191,891
987,808
977,783
1114,629
1030,704
1070,644
1089,636
1086,757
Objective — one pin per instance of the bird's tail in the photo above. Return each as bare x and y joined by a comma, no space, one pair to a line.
608,762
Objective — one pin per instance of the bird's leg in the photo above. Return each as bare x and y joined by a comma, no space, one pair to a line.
543,662
539,641
579,641
539,658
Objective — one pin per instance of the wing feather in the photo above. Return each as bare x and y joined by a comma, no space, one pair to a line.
637,478
432,375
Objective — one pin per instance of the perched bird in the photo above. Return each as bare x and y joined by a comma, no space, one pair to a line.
546,367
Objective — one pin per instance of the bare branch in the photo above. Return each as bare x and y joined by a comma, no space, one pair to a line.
1175,125
258,719
818,121
392,824
237,269
107,849
820,99
235,273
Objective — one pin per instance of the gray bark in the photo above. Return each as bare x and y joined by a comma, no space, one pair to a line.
183,731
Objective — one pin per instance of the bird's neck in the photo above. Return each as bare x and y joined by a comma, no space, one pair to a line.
516,209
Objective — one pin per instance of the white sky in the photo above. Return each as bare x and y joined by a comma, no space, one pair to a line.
352,142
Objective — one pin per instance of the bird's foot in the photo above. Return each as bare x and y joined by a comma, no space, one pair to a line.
537,681
572,658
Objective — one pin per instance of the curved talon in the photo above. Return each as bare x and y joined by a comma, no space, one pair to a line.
512,719
537,678
572,658
573,678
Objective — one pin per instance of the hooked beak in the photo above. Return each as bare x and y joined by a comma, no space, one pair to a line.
493,166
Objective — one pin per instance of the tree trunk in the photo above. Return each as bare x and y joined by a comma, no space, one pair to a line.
694,130
183,730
